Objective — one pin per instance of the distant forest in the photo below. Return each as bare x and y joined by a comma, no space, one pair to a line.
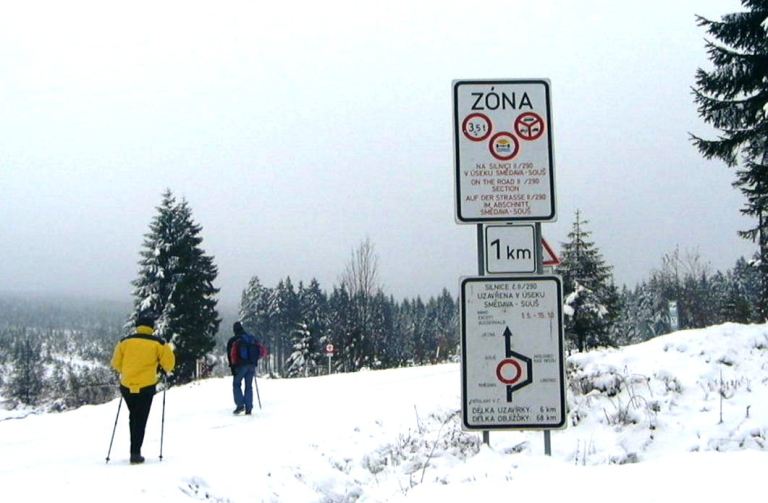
55,352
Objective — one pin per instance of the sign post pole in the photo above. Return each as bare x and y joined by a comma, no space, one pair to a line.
481,272
540,270
329,349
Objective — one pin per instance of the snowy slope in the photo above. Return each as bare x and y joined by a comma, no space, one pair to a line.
644,426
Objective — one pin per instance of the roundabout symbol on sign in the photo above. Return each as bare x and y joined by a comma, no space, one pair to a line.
504,146
529,126
522,365
477,127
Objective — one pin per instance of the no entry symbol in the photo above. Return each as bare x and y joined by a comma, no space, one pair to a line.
505,377
529,126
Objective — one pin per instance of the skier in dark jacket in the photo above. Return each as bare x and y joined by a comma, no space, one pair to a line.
242,371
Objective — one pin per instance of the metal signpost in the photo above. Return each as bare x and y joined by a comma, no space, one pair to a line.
511,314
674,320
329,349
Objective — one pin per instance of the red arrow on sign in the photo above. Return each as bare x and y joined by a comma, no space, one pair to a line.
549,257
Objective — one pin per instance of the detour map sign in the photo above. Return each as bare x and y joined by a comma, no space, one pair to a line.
512,353
503,151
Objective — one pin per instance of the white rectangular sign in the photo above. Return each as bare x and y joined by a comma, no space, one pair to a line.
513,370
510,249
503,151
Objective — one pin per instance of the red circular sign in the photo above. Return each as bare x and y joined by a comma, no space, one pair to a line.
529,126
477,127
504,146
329,348
500,371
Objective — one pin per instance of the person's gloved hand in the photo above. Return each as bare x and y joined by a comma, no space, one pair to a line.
232,368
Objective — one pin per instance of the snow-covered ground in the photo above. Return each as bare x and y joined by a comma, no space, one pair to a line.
683,417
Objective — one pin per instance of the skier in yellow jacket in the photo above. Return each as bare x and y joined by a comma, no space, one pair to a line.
138,358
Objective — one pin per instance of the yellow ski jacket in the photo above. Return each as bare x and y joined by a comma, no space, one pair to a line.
138,356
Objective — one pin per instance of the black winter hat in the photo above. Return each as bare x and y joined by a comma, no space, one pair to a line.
237,328
145,321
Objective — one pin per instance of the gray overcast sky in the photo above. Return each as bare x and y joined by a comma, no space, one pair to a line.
297,129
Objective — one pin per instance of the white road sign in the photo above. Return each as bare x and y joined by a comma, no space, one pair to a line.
510,249
503,151
513,370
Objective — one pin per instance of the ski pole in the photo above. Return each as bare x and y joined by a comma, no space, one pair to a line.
162,424
256,385
119,404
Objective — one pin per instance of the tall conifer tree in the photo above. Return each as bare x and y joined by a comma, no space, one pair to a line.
256,315
341,329
175,284
285,316
733,97
27,380
592,301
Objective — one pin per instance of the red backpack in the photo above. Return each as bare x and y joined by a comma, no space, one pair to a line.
247,350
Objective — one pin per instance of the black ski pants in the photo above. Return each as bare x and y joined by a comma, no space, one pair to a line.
139,405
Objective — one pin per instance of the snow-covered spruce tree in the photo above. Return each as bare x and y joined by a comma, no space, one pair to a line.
313,309
284,316
386,337
445,312
309,331
254,307
591,299
684,278
341,331
27,382
626,330
409,321
417,332
383,330
300,361
175,284
644,314
256,316
733,97
743,292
